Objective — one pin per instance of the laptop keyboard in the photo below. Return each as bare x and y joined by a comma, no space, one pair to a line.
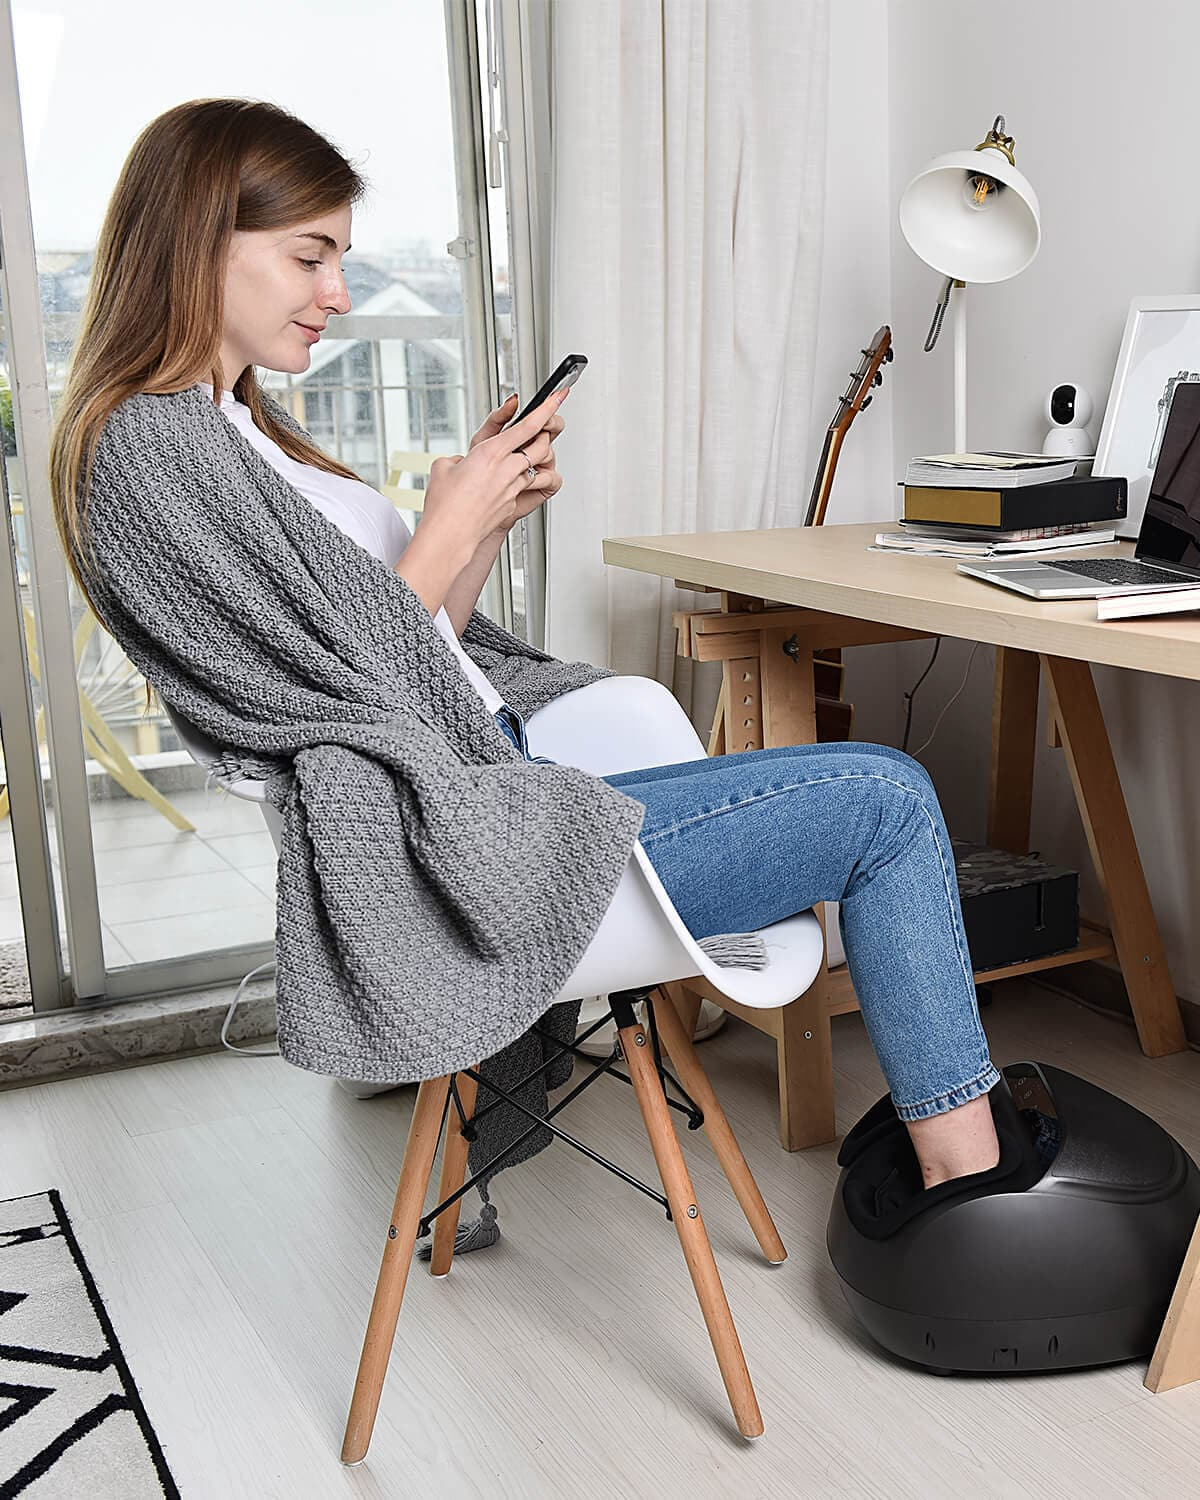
1120,570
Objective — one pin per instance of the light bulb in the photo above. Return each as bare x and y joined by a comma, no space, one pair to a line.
980,191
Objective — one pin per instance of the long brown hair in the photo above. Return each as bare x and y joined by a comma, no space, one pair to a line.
154,312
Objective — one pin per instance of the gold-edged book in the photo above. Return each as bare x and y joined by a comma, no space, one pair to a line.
1062,502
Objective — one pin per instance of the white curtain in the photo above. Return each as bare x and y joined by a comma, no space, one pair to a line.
688,192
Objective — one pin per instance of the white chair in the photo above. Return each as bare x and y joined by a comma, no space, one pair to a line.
641,946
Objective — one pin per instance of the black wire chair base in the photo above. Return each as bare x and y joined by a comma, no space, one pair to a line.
621,1011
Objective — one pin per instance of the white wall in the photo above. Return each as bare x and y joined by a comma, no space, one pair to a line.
1100,98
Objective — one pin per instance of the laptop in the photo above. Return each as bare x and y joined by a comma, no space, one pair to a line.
1168,545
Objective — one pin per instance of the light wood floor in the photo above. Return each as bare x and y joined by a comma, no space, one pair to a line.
232,1210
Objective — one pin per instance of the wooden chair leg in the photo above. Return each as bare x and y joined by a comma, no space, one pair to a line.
393,1272
693,1237
677,1039
1176,1358
454,1171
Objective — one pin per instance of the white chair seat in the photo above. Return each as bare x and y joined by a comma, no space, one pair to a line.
613,725
630,724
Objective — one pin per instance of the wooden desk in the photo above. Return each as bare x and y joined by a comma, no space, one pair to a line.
789,592
829,568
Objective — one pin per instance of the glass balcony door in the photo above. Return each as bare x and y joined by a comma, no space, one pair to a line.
160,882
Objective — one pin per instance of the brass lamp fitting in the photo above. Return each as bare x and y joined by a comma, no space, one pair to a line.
997,140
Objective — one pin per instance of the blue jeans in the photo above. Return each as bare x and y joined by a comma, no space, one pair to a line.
741,841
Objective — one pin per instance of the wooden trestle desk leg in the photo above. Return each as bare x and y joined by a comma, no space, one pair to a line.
1176,1358
1014,745
804,1042
768,700
1114,853
804,1048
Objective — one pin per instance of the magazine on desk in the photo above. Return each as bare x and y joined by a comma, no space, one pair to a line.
988,470
1007,544
1135,606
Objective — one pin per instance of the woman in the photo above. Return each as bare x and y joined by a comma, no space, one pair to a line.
197,517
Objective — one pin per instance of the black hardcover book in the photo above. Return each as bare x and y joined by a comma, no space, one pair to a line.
1062,502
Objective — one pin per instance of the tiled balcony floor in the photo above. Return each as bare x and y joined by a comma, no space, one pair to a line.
164,893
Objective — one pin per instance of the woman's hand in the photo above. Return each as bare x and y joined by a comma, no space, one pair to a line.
548,481
469,499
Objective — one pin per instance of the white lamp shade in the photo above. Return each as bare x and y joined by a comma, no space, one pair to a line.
959,238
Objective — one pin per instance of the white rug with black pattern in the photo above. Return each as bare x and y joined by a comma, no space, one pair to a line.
72,1424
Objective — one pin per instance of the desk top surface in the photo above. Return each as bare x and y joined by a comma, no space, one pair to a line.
829,568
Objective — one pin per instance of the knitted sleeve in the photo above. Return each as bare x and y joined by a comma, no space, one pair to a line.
526,678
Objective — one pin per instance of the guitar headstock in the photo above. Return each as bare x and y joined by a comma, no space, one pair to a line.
858,394
864,381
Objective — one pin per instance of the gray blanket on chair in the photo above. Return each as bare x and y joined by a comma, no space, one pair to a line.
434,889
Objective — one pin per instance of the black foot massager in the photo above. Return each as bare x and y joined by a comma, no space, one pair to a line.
1065,1254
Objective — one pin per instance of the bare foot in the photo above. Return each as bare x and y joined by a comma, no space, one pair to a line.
957,1143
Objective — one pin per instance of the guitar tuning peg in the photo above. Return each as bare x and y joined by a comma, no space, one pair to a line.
867,401
890,355
877,378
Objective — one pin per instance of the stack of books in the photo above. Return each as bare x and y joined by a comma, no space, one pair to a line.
1003,502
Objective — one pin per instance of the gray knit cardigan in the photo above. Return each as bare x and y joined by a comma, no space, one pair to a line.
434,889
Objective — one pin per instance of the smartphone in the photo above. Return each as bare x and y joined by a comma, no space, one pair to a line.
566,375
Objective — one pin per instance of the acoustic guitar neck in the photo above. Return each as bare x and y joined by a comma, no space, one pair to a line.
857,396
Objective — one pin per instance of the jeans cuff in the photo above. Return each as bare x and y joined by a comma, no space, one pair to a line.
940,1104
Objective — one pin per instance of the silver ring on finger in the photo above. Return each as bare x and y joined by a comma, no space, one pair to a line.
531,473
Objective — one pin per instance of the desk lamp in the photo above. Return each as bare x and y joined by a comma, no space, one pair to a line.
972,216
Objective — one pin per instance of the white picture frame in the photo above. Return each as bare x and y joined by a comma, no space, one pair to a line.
1159,348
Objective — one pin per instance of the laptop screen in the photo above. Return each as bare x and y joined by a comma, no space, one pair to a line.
1170,530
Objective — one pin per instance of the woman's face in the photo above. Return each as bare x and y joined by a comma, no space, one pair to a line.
281,285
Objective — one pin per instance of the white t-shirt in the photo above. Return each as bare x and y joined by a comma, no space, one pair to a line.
366,516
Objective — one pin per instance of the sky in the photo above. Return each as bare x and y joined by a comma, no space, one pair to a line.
370,74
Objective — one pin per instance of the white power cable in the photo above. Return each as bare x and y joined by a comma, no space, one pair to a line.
228,1021
938,721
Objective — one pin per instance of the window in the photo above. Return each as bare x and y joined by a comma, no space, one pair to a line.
179,869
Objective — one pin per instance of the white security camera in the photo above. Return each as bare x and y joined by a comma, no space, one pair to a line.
1069,407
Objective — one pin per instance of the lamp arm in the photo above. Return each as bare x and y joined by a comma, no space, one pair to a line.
939,314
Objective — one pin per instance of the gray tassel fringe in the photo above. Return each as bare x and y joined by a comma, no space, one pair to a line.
477,1235
736,950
